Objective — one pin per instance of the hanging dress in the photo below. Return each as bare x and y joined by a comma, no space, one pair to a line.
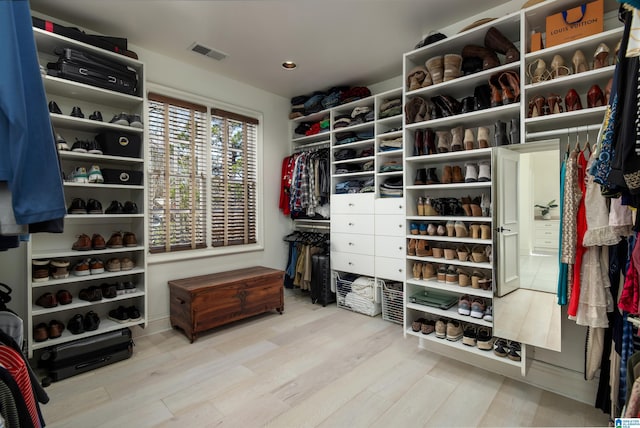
562,269
581,229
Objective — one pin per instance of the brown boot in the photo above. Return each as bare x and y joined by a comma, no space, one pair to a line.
412,247
456,139
435,67
496,90
457,176
510,83
452,67
447,175
416,78
429,139
489,57
496,41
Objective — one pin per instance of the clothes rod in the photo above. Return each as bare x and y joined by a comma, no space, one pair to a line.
315,146
563,131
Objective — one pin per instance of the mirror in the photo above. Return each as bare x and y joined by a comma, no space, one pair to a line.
529,313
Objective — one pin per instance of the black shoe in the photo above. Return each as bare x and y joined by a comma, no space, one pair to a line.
135,121
76,112
114,208
421,176
91,321
94,206
130,208
468,105
119,315
482,94
76,325
80,147
61,143
120,119
53,108
77,207
133,313
94,147
96,115
108,290
91,294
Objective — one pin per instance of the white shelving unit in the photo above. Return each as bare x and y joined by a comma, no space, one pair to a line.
68,94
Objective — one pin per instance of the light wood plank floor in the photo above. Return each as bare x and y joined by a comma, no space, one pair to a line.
311,366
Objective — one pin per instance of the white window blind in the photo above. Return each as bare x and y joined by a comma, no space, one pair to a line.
233,178
177,174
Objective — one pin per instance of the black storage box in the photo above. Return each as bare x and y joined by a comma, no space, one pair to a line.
122,176
118,143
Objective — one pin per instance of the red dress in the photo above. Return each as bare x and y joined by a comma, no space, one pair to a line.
574,300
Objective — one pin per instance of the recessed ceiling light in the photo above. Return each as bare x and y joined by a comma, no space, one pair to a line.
289,65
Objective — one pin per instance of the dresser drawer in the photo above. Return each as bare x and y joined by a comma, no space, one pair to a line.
391,246
356,223
547,225
354,263
546,243
352,243
388,268
352,204
547,234
391,225
389,206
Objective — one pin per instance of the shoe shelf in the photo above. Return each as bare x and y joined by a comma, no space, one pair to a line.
462,86
103,186
354,160
469,120
452,239
79,304
57,87
581,82
391,122
68,252
390,153
425,339
455,288
101,276
353,174
388,135
389,174
442,260
475,185
90,157
79,124
570,119
447,218
451,313
462,155
106,325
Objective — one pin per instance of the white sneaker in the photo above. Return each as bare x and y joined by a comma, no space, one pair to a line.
79,175
485,171
95,175
488,314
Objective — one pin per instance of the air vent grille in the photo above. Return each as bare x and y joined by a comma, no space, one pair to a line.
211,53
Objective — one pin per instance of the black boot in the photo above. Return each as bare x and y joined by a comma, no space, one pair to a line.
421,176
432,177
500,134
482,94
418,143
429,142
515,131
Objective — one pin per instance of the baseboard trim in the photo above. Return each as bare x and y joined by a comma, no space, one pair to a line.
153,327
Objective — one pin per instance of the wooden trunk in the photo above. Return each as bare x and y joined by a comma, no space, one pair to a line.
203,302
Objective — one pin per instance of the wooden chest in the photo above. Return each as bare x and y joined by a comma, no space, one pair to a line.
204,302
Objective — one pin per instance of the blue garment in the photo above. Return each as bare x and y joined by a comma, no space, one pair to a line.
627,352
563,267
29,162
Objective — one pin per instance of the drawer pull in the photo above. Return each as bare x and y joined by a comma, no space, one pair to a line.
400,270
400,248
350,204
399,207
351,244
350,224
400,226
350,264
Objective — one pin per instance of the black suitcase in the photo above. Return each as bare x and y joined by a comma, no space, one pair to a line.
95,70
321,280
73,358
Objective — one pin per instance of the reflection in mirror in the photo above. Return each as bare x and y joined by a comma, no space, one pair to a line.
530,314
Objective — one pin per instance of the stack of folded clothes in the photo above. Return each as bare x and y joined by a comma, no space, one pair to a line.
304,105
368,186
312,128
353,94
351,186
391,165
362,115
342,121
389,144
347,168
391,108
391,188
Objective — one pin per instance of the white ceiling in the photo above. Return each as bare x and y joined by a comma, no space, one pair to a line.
334,42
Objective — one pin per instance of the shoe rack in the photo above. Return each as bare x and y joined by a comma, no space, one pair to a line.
568,71
449,185
44,246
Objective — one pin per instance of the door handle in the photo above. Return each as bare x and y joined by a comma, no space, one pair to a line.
502,229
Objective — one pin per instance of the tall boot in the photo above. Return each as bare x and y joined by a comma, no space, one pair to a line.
457,176
482,94
435,67
452,64
432,177
418,143
496,90
456,139
496,41
489,57
447,174
444,141
500,134
468,139
429,139
421,176
483,137
515,131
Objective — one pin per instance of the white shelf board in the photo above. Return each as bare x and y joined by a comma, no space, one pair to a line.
462,155
437,238
477,185
468,120
455,288
86,157
484,265
68,252
78,123
74,279
78,304
451,313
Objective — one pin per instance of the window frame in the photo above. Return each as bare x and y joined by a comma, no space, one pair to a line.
209,250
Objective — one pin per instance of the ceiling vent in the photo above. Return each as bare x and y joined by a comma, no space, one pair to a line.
211,53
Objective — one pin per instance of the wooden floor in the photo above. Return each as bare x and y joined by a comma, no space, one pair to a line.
311,366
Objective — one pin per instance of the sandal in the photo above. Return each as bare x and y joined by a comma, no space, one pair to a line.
476,276
452,275
442,273
428,271
461,230
500,348
450,253
475,230
463,253
464,279
478,254
514,351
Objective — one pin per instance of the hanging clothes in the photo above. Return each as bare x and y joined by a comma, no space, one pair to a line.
563,267
29,163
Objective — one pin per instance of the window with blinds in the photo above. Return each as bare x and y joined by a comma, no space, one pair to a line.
233,178
177,174
200,195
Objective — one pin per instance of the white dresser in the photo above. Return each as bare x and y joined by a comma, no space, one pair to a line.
546,235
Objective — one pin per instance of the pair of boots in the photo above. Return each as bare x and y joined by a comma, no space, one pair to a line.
426,176
505,88
469,140
494,41
424,142
444,68
477,172
502,137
